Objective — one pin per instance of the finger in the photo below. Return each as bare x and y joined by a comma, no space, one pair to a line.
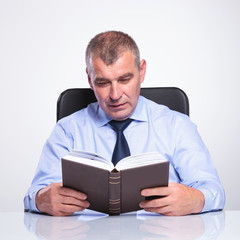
159,191
160,202
70,209
65,210
75,202
160,210
68,192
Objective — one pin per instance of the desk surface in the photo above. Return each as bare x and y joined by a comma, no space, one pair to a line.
140,225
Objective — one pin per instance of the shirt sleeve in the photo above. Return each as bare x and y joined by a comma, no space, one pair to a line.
195,167
49,167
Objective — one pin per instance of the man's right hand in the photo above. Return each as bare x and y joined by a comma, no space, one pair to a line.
57,200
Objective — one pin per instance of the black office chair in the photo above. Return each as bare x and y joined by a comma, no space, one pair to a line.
72,100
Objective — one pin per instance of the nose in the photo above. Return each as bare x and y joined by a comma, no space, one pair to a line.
116,92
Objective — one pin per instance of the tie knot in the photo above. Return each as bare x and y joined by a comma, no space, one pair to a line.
120,125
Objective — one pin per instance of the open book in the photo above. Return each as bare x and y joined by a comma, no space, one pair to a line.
114,190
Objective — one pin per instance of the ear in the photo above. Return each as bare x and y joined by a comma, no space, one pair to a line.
89,79
143,66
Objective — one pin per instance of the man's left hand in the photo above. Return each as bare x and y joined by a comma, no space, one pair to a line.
177,200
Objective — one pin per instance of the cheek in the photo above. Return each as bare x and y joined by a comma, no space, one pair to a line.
134,90
100,95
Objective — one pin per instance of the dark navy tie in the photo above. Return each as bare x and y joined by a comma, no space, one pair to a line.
121,149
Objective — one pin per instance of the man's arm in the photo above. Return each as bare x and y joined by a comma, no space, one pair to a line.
57,200
195,183
178,200
49,169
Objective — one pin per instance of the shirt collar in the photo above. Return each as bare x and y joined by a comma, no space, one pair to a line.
101,117
139,114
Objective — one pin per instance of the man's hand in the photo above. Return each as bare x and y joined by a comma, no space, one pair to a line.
57,200
178,200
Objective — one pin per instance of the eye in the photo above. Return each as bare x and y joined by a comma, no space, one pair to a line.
124,80
101,83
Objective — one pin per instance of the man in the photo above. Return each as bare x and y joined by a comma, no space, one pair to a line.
115,74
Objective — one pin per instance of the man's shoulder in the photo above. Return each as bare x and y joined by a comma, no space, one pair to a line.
159,109
82,115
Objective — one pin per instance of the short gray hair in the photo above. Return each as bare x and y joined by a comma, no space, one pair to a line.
109,46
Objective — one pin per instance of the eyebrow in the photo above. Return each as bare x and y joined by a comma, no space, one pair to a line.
127,75
102,79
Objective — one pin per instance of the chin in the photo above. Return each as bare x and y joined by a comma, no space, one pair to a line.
119,117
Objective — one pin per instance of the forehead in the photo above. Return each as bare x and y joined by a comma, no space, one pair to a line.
124,64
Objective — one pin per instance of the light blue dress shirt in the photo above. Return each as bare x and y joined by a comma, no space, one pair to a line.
155,129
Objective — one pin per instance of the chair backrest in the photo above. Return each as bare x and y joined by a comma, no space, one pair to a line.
74,99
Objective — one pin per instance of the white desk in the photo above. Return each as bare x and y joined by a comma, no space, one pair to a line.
216,225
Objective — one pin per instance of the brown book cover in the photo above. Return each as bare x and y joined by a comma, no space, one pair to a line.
114,191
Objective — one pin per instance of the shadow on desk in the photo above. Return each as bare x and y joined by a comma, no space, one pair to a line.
140,225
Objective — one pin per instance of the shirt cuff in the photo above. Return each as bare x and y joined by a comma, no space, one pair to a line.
209,199
29,202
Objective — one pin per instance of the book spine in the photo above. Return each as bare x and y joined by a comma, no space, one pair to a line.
114,193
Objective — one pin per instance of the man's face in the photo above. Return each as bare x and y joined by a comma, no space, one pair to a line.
117,86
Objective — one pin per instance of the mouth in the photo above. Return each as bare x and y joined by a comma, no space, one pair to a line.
117,107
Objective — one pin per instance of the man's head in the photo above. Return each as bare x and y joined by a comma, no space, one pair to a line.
115,73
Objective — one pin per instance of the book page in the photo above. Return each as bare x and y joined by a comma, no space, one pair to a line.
140,160
90,159
88,155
